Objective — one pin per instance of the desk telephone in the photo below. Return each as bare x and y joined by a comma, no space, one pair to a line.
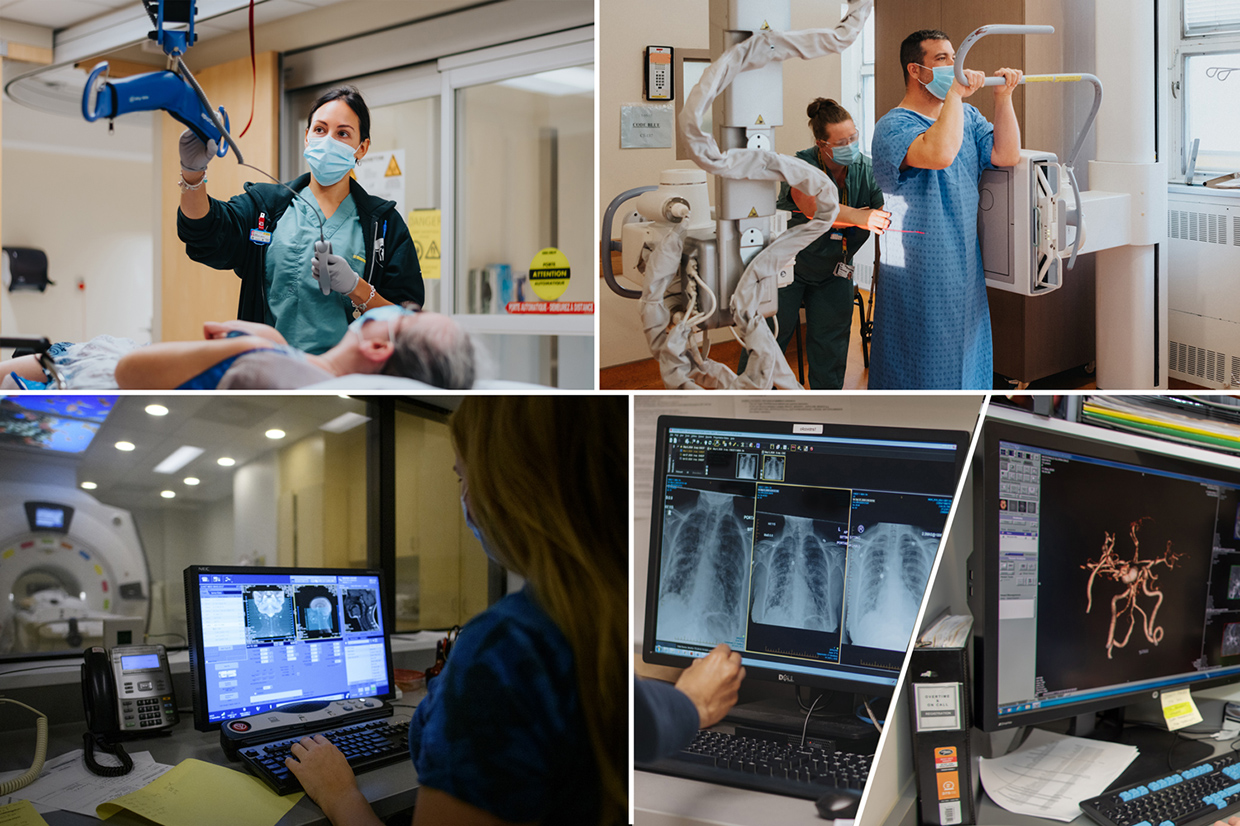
126,692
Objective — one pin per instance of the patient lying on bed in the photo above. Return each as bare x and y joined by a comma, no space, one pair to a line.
428,347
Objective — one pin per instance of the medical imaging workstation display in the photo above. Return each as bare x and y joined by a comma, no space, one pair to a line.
1119,572
808,553
269,639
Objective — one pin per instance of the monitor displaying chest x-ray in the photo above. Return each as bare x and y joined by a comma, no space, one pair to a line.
806,547
263,638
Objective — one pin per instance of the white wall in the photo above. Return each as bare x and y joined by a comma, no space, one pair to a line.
85,198
628,28
256,492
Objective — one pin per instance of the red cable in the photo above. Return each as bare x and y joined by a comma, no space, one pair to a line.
253,74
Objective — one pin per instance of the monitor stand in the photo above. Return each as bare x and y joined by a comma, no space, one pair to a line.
1157,746
784,715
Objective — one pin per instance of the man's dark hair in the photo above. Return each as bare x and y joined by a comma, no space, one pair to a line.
353,98
911,50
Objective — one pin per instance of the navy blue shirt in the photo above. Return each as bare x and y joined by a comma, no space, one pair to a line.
664,720
501,727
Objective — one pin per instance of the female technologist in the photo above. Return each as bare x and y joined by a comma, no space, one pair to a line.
308,290
822,276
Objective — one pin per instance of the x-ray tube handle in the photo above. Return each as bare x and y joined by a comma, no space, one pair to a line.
1057,78
607,244
978,34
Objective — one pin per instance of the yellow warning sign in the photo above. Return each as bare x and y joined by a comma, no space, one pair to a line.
765,26
393,169
549,274
424,229
753,212
759,121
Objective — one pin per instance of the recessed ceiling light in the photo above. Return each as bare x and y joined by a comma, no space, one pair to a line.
178,459
191,480
157,410
126,446
224,461
168,494
343,422
89,486
275,433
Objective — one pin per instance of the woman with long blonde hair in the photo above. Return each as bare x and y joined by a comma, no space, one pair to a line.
528,722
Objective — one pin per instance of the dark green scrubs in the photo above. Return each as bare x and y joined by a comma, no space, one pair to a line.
828,299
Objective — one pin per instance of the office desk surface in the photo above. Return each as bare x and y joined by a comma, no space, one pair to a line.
390,789
659,800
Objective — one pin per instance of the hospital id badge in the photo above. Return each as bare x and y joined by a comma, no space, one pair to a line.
844,270
260,237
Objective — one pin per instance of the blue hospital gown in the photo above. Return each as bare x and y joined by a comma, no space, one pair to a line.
931,319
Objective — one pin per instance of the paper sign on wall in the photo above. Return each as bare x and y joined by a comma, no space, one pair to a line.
424,228
382,174
646,126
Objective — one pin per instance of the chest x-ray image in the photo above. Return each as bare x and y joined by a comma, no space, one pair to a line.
798,573
361,610
773,468
317,611
268,613
888,567
705,566
746,466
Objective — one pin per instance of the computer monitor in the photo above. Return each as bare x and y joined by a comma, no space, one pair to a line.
806,547
1104,571
264,638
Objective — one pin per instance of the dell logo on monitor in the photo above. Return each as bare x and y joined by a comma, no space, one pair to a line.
784,678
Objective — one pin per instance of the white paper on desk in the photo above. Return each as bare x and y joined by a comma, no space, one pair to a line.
65,783
1050,774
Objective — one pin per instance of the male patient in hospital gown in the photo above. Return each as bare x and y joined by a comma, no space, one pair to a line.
931,318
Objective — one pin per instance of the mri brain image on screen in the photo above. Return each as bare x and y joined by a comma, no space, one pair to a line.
317,612
705,565
361,610
798,573
268,613
889,565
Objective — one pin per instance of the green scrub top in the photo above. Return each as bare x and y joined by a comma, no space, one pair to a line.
816,263
296,306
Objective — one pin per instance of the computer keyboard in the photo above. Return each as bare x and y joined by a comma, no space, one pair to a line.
1201,794
767,762
365,745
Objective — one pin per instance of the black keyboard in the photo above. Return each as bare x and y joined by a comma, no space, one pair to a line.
773,763
1201,794
365,745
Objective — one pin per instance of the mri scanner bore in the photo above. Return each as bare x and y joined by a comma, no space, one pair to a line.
68,562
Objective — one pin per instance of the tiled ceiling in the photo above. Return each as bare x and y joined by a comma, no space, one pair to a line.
61,14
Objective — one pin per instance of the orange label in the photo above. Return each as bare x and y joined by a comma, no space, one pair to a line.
946,754
949,785
656,57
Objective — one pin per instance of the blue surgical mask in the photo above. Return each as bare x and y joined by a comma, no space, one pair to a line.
329,159
388,312
944,76
469,523
845,155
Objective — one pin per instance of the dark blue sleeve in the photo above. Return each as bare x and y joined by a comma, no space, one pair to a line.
664,720
501,727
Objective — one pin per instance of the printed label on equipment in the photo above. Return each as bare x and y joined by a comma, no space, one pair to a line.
950,813
938,706
945,758
949,785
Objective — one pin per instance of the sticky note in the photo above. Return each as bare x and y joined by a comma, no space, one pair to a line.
21,813
1179,709
190,795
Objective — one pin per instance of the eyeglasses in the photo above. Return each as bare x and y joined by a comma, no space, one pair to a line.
851,139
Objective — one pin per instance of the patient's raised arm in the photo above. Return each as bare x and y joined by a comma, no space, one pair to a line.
221,329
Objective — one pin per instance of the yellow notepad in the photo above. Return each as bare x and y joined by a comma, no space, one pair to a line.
191,795
21,813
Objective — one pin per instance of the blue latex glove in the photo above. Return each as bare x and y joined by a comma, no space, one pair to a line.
331,271
195,155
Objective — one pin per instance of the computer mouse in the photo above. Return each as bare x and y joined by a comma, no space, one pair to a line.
839,803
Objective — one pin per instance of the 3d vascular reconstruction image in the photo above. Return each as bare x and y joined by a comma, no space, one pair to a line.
1133,579
705,567
798,576
888,567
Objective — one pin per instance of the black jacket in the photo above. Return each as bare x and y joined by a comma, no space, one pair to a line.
222,240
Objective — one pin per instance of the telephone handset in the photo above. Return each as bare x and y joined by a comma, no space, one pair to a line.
125,692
